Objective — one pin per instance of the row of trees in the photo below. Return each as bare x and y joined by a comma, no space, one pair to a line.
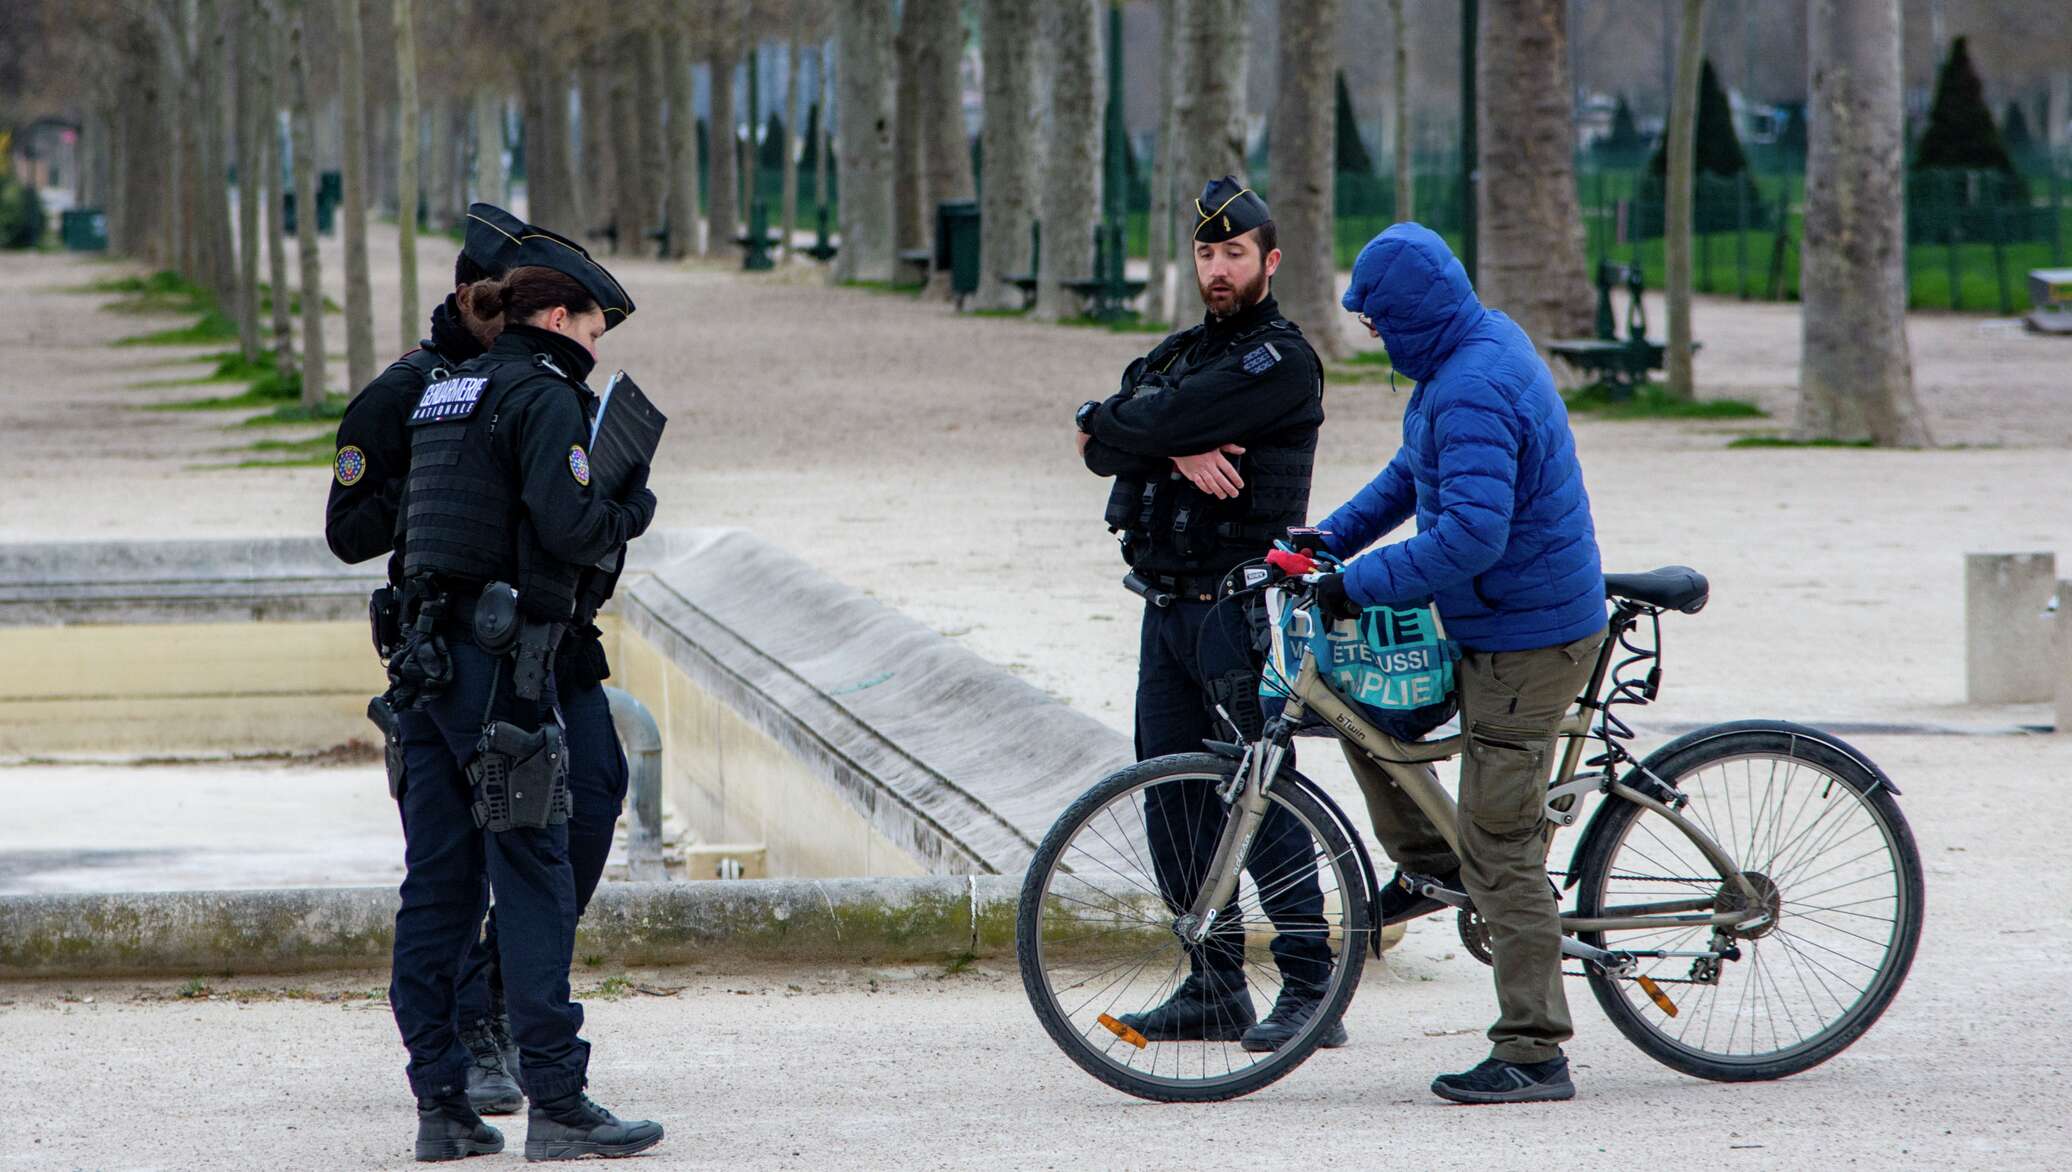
183,91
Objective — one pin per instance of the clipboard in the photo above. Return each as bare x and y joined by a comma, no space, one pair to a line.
625,437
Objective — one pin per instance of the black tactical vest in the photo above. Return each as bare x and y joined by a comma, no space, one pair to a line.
461,516
1168,526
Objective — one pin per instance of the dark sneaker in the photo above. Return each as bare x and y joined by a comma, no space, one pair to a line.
1196,1012
1399,902
500,1029
1291,1011
448,1129
574,1127
491,1089
1497,1081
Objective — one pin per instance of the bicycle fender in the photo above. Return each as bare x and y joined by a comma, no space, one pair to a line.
1650,766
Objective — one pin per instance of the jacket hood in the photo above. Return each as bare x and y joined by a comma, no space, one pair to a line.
1410,285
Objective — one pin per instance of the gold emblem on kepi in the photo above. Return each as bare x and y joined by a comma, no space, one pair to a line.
1226,223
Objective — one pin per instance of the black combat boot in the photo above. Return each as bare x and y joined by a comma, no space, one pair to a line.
574,1127
500,1029
448,1129
1291,1011
491,1089
1198,1011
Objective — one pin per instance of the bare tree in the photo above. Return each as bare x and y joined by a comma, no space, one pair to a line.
1529,222
1304,164
1676,211
1007,139
406,169
866,76
1212,129
789,215
1856,378
909,228
440,155
212,207
304,146
249,185
489,146
723,194
359,298
594,180
272,41
1399,82
1163,176
649,92
683,215
945,154
1072,160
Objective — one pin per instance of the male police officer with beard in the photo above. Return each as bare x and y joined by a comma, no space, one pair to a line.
1210,440
372,464
501,528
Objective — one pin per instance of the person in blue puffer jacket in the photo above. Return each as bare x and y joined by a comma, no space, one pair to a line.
1506,549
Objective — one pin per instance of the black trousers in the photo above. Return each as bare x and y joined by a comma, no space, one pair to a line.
597,784
451,866
1178,688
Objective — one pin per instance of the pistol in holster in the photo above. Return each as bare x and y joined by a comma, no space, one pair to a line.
520,778
421,666
383,714
501,628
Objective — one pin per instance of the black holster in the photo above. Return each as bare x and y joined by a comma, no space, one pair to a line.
383,714
421,666
533,658
520,778
385,621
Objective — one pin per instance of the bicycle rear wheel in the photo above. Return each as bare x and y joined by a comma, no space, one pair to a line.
1822,841
1096,941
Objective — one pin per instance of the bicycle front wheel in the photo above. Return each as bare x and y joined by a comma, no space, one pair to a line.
1099,948
1822,843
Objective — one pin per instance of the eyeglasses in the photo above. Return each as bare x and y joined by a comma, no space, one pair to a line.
1366,321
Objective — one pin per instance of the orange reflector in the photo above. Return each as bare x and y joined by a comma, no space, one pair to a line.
1129,1035
1653,990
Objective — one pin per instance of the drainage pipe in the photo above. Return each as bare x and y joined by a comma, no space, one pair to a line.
642,740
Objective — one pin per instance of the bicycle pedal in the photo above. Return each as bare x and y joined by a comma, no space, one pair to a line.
1430,888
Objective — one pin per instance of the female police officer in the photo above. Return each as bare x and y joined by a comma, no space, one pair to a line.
499,526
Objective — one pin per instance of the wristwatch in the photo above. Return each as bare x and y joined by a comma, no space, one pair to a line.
1085,414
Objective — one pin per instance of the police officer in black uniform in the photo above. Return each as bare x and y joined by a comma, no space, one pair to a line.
1210,441
500,530
372,462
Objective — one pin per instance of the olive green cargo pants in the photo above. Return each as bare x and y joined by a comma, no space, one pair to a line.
1511,702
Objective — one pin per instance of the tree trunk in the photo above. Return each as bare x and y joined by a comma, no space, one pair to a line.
1406,199
945,155
723,194
866,77
594,184
406,166
489,147
549,187
1304,162
212,49
625,188
789,215
1158,299
1214,109
1072,160
273,42
304,147
359,298
250,189
1856,380
1530,242
439,153
1676,209
824,150
750,165
683,144
1007,140
908,179
649,91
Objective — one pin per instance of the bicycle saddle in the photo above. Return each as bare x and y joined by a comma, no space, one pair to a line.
1672,587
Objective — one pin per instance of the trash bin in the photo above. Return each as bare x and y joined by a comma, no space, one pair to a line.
327,213
956,244
84,230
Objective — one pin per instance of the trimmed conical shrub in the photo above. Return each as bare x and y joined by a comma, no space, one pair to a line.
1352,150
1718,147
1960,133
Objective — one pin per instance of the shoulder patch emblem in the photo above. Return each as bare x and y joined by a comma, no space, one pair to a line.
448,399
579,465
1262,358
351,465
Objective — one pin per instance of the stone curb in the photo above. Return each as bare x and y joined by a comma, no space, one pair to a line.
752,921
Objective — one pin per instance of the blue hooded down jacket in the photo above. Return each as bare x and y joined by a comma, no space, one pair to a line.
1504,541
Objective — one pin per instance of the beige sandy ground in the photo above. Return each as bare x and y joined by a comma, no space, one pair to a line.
926,459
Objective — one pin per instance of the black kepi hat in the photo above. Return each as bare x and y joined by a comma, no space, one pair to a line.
1227,209
487,244
512,243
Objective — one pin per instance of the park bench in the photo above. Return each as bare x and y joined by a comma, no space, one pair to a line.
1618,364
1107,293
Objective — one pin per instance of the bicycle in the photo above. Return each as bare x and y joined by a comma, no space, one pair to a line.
1761,869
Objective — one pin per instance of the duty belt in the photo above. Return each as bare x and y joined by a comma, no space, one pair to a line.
1179,587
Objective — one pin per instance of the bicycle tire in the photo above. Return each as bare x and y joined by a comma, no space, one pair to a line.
1291,793
1753,742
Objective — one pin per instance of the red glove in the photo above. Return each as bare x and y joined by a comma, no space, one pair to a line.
1292,564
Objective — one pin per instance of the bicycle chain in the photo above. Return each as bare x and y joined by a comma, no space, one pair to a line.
1645,879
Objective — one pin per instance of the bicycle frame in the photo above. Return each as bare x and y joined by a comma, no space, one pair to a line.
1408,764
